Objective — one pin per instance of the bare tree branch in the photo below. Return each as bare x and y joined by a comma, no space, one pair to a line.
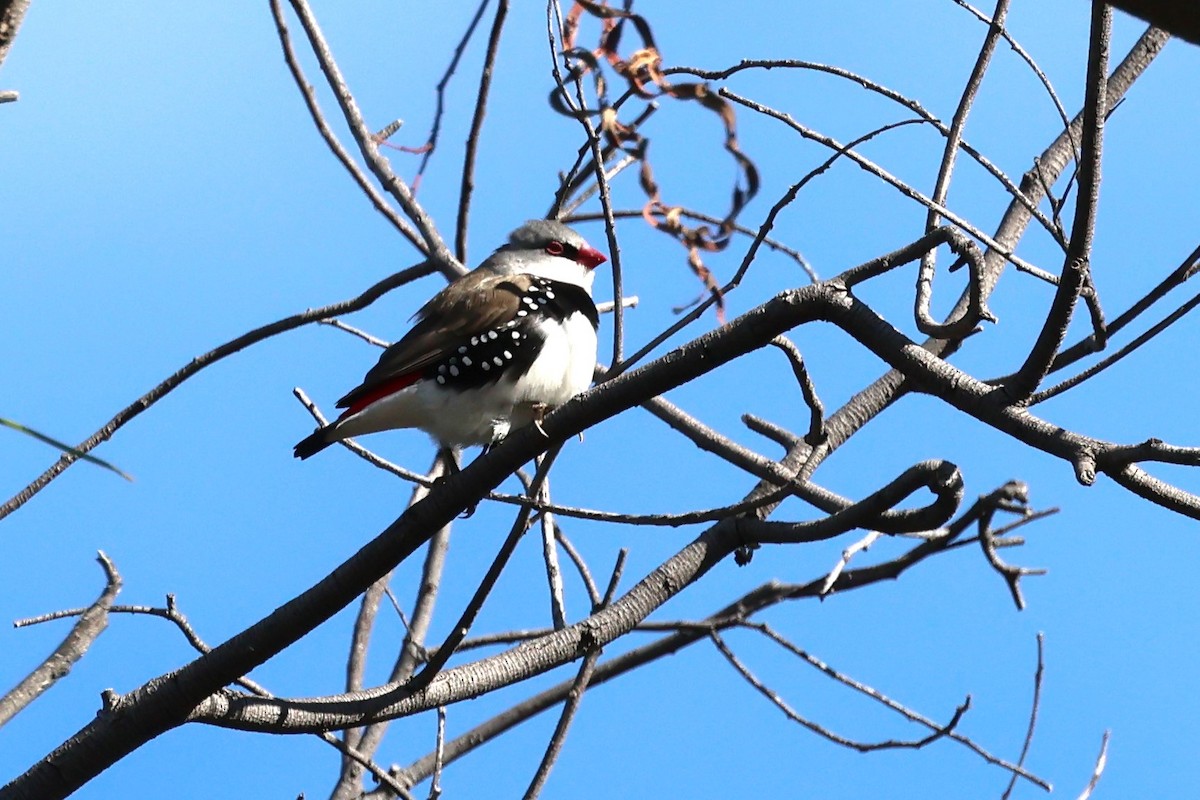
442,258
84,632
1101,763
12,13
954,136
310,101
472,149
1034,706
821,730
684,635
575,696
1075,274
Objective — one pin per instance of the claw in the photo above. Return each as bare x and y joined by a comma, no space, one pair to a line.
539,414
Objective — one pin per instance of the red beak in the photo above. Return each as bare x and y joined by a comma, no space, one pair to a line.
590,257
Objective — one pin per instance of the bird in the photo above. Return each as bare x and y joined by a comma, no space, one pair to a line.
491,352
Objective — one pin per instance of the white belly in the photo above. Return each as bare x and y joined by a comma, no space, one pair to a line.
572,344
485,415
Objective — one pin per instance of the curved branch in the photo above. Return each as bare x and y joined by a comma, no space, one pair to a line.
940,477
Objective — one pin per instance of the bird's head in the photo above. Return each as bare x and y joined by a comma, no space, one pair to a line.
549,249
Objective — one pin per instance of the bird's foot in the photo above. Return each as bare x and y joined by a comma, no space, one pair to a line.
539,414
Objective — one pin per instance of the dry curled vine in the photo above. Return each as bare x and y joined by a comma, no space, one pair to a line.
644,78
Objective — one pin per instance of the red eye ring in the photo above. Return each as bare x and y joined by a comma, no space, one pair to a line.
555,248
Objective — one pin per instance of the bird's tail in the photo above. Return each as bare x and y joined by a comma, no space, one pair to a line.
318,441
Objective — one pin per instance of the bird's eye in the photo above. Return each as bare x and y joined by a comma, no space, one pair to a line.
555,248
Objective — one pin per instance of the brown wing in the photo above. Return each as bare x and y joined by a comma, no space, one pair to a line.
472,305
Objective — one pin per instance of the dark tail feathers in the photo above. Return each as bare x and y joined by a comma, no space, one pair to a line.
311,445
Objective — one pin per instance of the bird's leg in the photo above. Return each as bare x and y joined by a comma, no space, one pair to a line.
539,413
469,511
450,461
449,457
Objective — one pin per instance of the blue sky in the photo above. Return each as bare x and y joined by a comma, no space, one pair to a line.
164,191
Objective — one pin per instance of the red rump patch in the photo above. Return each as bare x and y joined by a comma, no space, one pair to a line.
381,391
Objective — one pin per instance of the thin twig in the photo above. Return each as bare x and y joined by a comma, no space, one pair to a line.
1181,274
558,609
439,110
607,306
816,425
904,711
580,565
860,546
776,433
954,136
575,695
905,189
1034,706
200,362
1011,574
353,331
435,786
616,169
314,109
359,450
369,147
1098,770
1149,335
463,626
472,148
820,730
610,225
907,102
1028,59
